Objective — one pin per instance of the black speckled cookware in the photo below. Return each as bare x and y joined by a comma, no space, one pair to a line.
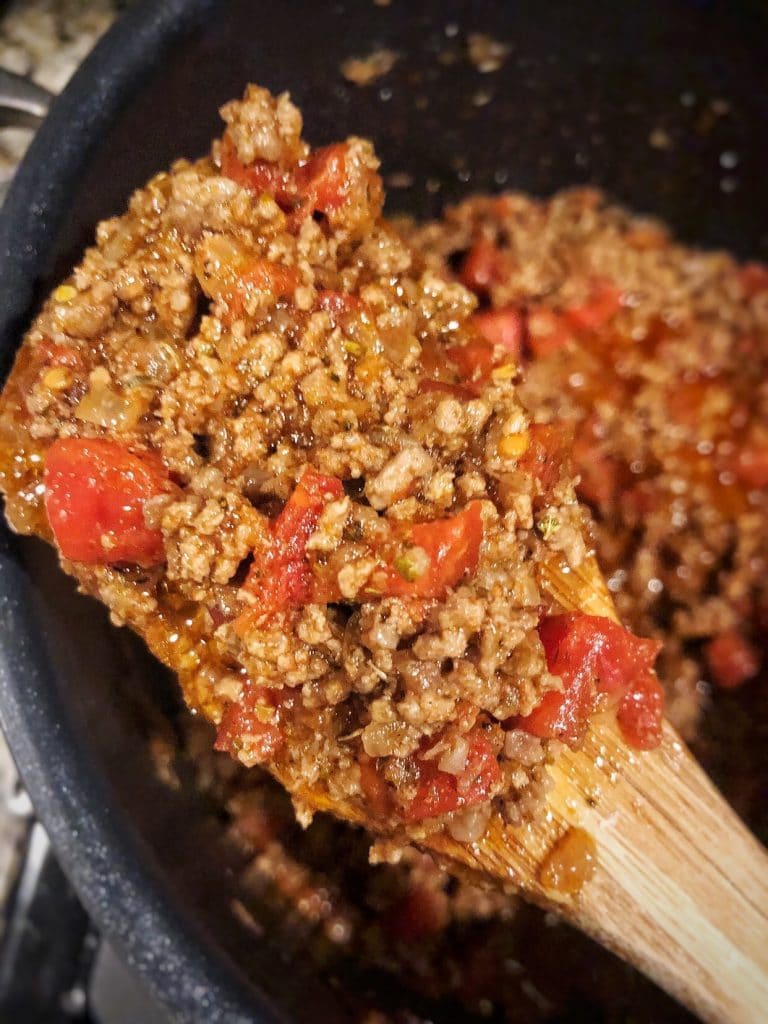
662,102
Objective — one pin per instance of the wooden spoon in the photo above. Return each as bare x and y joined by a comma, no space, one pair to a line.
680,887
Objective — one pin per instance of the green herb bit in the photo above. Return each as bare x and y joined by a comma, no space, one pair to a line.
412,563
548,525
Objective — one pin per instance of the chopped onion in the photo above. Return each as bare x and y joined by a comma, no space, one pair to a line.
520,746
380,739
217,261
469,825
163,361
454,760
106,407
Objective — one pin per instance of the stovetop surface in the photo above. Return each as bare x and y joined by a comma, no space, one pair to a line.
54,968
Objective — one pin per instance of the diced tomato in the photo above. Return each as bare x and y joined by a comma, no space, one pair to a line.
440,553
440,792
251,726
258,177
322,180
473,361
282,579
617,656
637,503
563,714
547,451
503,327
754,278
602,305
260,275
452,547
299,517
339,304
51,354
427,385
375,789
548,331
95,492
732,659
484,266
420,913
750,461
267,276
599,481
319,185
599,473
591,654
641,711
437,793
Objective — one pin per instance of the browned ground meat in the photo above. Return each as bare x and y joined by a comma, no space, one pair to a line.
341,516
491,955
660,361
155,343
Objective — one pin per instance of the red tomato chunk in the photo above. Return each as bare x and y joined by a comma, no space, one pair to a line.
259,275
319,185
732,659
282,579
593,655
260,176
602,305
322,180
473,361
548,332
452,547
95,492
503,327
640,712
484,266
548,450
250,727
440,792
599,472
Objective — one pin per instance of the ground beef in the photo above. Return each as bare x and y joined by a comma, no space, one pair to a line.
269,434
650,350
657,354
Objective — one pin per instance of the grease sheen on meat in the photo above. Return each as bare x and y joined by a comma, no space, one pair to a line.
270,438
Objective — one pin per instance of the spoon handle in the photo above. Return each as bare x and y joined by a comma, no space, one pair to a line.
682,889
681,886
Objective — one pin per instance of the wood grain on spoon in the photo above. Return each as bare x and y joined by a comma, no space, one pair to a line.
680,887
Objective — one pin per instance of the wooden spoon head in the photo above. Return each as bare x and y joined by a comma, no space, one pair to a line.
680,887
513,855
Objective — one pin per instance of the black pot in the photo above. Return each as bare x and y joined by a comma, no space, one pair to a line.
662,102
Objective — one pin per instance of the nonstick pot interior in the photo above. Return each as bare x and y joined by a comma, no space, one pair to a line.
661,102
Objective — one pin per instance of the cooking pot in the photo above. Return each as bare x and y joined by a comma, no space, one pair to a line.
661,102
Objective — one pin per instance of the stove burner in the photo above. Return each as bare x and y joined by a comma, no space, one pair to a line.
54,967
